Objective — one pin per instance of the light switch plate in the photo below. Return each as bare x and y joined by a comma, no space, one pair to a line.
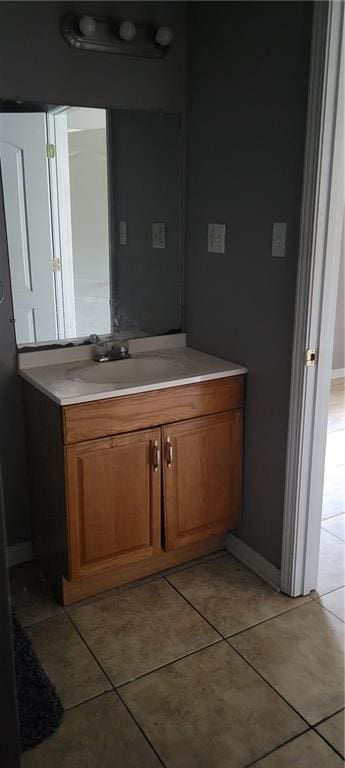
216,238
279,240
158,234
123,232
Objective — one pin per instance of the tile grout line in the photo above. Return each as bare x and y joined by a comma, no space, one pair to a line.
193,607
331,517
324,719
221,639
85,701
271,686
275,749
193,564
112,592
227,640
307,729
332,614
117,694
245,629
278,615
311,729
41,621
331,532
130,713
218,642
309,725
114,689
169,663
139,582
104,595
270,618
330,592
326,741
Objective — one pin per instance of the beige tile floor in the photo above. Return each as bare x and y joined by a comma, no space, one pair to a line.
203,666
332,547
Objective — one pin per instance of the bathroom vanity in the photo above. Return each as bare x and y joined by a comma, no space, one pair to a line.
136,465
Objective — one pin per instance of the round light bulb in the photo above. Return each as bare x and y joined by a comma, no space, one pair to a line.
164,36
87,25
127,31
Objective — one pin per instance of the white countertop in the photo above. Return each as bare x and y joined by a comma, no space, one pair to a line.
72,382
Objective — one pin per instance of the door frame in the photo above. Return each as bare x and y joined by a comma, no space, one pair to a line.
317,280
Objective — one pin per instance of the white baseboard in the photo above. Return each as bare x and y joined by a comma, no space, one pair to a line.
266,570
19,553
338,373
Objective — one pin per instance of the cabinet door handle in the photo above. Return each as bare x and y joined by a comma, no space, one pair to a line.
169,452
156,456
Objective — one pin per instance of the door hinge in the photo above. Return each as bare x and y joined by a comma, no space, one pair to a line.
310,357
56,264
50,151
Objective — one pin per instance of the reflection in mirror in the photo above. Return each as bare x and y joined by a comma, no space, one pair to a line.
145,203
54,175
92,204
88,210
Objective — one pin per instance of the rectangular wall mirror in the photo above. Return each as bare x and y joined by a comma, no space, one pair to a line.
93,216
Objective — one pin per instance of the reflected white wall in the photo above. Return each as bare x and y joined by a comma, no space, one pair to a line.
89,211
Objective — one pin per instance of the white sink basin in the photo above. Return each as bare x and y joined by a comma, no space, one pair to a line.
138,370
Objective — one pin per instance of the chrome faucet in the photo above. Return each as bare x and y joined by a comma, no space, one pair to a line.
120,352
108,349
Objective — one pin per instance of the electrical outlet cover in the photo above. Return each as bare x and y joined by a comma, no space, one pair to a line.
158,234
123,232
216,238
279,240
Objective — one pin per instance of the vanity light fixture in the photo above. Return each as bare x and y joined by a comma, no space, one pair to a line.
163,36
127,31
93,33
87,25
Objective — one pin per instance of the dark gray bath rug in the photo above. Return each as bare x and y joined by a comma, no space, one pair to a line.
39,708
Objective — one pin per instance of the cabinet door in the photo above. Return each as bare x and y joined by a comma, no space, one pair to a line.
202,475
113,501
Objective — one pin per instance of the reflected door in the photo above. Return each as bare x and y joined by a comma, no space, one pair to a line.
25,179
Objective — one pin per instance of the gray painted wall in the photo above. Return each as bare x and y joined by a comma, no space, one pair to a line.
37,65
145,150
248,75
339,331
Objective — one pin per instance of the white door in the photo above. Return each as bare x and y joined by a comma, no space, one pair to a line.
24,165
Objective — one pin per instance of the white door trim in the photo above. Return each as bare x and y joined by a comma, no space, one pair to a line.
62,222
320,245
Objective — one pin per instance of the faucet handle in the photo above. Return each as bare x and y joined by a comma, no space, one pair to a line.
124,350
94,339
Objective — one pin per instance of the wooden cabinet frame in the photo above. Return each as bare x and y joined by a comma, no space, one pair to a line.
81,562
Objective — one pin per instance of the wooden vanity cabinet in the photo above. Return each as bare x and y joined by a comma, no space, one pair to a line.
113,501
127,486
202,478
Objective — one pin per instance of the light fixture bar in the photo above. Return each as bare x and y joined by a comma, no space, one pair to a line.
103,35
